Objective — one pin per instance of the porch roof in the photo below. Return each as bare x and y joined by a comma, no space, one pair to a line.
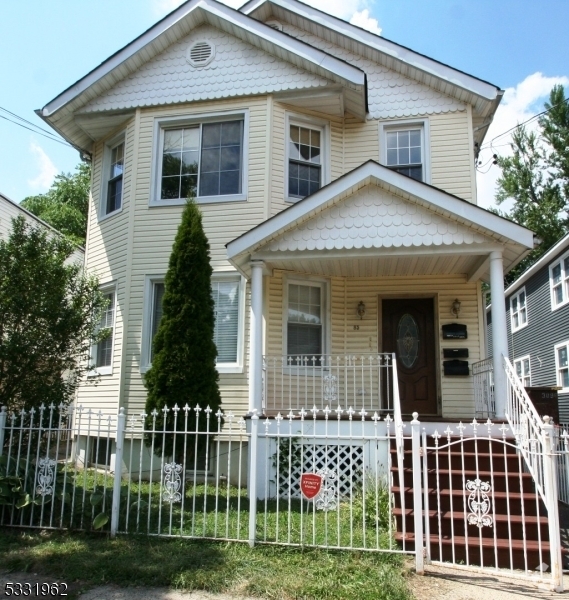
376,222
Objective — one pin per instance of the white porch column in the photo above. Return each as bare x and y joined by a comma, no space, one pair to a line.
499,330
256,338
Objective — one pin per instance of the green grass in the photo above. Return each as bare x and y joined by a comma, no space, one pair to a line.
86,560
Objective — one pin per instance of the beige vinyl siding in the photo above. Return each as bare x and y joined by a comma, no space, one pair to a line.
361,143
345,293
107,259
155,228
451,156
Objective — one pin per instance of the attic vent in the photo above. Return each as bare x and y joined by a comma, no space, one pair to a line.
201,54
275,25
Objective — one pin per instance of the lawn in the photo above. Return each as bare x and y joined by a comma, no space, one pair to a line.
264,571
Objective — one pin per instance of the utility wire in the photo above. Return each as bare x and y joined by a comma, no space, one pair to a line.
53,139
58,137
524,123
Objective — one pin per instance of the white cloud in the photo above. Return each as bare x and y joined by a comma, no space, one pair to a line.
47,170
518,105
363,20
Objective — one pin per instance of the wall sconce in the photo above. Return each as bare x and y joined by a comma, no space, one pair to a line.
455,309
361,310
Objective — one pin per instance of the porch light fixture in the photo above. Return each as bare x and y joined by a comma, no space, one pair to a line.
455,309
361,310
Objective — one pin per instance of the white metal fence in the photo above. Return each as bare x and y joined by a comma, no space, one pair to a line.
482,374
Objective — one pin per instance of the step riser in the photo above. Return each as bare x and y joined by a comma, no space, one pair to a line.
484,463
500,483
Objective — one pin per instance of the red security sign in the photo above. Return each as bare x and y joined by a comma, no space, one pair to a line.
310,485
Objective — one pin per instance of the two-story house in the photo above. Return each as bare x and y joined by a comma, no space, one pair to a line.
335,171
537,309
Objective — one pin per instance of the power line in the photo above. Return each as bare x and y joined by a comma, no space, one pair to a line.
53,139
524,123
58,137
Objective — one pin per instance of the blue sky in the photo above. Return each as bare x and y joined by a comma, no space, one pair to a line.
520,45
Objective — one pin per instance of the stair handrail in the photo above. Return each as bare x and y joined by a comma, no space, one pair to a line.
397,416
526,425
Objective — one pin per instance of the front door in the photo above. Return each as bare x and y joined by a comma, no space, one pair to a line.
408,326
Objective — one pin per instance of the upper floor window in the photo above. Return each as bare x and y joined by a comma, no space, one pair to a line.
204,159
102,353
403,149
518,310
523,371
305,318
306,157
113,171
562,365
229,305
559,281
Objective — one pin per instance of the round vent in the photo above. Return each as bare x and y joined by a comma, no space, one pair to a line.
275,25
200,54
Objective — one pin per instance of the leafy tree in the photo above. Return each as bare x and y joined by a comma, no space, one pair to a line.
49,313
183,361
536,178
66,204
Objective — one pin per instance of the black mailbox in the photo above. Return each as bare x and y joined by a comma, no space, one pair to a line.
455,352
455,367
454,331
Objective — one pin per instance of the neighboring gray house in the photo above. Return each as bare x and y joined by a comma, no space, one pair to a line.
10,210
537,309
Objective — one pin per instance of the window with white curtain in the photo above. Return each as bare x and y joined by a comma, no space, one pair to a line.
304,313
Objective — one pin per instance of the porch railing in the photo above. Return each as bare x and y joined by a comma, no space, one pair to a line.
483,374
359,381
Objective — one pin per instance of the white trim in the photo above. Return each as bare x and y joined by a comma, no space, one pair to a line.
400,53
106,288
564,282
110,145
163,123
384,177
512,298
563,390
324,285
318,59
148,313
322,125
521,362
405,124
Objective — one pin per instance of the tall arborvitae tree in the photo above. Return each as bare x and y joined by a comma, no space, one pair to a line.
184,352
536,178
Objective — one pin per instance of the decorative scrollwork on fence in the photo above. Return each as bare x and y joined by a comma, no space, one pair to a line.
479,503
330,391
172,483
327,499
46,476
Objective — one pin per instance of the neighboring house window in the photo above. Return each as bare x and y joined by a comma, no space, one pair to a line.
403,149
201,159
559,280
229,305
103,351
113,171
518,310
523,371
306,157
562,365
305,318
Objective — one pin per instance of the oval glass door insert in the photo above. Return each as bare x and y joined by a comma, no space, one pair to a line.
407,340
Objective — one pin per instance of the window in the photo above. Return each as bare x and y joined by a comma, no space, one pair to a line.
307,155
205,159
562,365
403,149
518,310
305,318
522,366
559,280
228,292
103,351
100,451
113,170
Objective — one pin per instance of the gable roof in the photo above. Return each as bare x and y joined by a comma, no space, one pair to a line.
515,239
482,95
59,111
